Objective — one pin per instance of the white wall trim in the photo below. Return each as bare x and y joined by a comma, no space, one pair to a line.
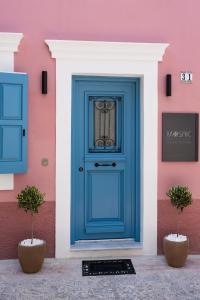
107,59
115,51
9,43
6,182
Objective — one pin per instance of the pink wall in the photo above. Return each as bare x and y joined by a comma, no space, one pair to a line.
121,20
175,22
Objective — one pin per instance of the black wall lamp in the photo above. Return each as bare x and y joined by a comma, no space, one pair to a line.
168,85
44,82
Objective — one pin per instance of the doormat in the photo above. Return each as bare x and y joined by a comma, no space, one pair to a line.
107,267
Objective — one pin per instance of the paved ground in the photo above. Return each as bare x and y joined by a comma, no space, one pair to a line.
62,279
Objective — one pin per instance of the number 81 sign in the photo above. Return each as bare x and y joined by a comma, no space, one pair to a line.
186,77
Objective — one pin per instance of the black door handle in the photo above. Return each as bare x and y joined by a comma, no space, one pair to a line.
105,165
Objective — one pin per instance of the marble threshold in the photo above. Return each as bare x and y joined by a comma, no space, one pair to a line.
105,244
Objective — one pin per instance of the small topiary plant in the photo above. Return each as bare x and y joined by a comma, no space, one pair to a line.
180,197
30,199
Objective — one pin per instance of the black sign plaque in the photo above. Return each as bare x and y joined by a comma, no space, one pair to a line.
180,136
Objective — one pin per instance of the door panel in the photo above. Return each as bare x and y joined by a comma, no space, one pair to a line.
11,135
11,102
104,150
104,201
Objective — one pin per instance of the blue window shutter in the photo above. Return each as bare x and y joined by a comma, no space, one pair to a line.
13,122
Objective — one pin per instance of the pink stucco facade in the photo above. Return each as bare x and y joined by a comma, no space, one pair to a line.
173,22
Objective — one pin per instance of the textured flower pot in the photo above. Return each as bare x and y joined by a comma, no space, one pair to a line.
31,257
175,252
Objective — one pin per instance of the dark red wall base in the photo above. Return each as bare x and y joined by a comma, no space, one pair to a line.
15,225
189,224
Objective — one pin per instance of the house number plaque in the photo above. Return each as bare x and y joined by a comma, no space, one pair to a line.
186,77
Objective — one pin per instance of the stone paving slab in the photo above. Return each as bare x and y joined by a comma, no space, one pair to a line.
62,279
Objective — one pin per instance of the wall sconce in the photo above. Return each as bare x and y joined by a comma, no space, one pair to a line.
44,82
168,85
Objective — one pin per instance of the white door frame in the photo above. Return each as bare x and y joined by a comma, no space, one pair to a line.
9,43
107,59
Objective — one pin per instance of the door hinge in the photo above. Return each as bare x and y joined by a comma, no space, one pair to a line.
24,132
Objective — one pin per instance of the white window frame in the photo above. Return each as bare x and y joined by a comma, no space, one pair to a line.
9,43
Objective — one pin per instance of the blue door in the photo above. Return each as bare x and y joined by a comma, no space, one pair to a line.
105,158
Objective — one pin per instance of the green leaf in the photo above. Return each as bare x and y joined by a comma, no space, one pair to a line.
30,199
180,197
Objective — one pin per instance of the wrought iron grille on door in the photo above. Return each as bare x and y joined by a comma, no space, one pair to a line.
105,123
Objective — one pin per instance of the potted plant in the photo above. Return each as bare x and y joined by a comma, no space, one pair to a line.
176,245
31,251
